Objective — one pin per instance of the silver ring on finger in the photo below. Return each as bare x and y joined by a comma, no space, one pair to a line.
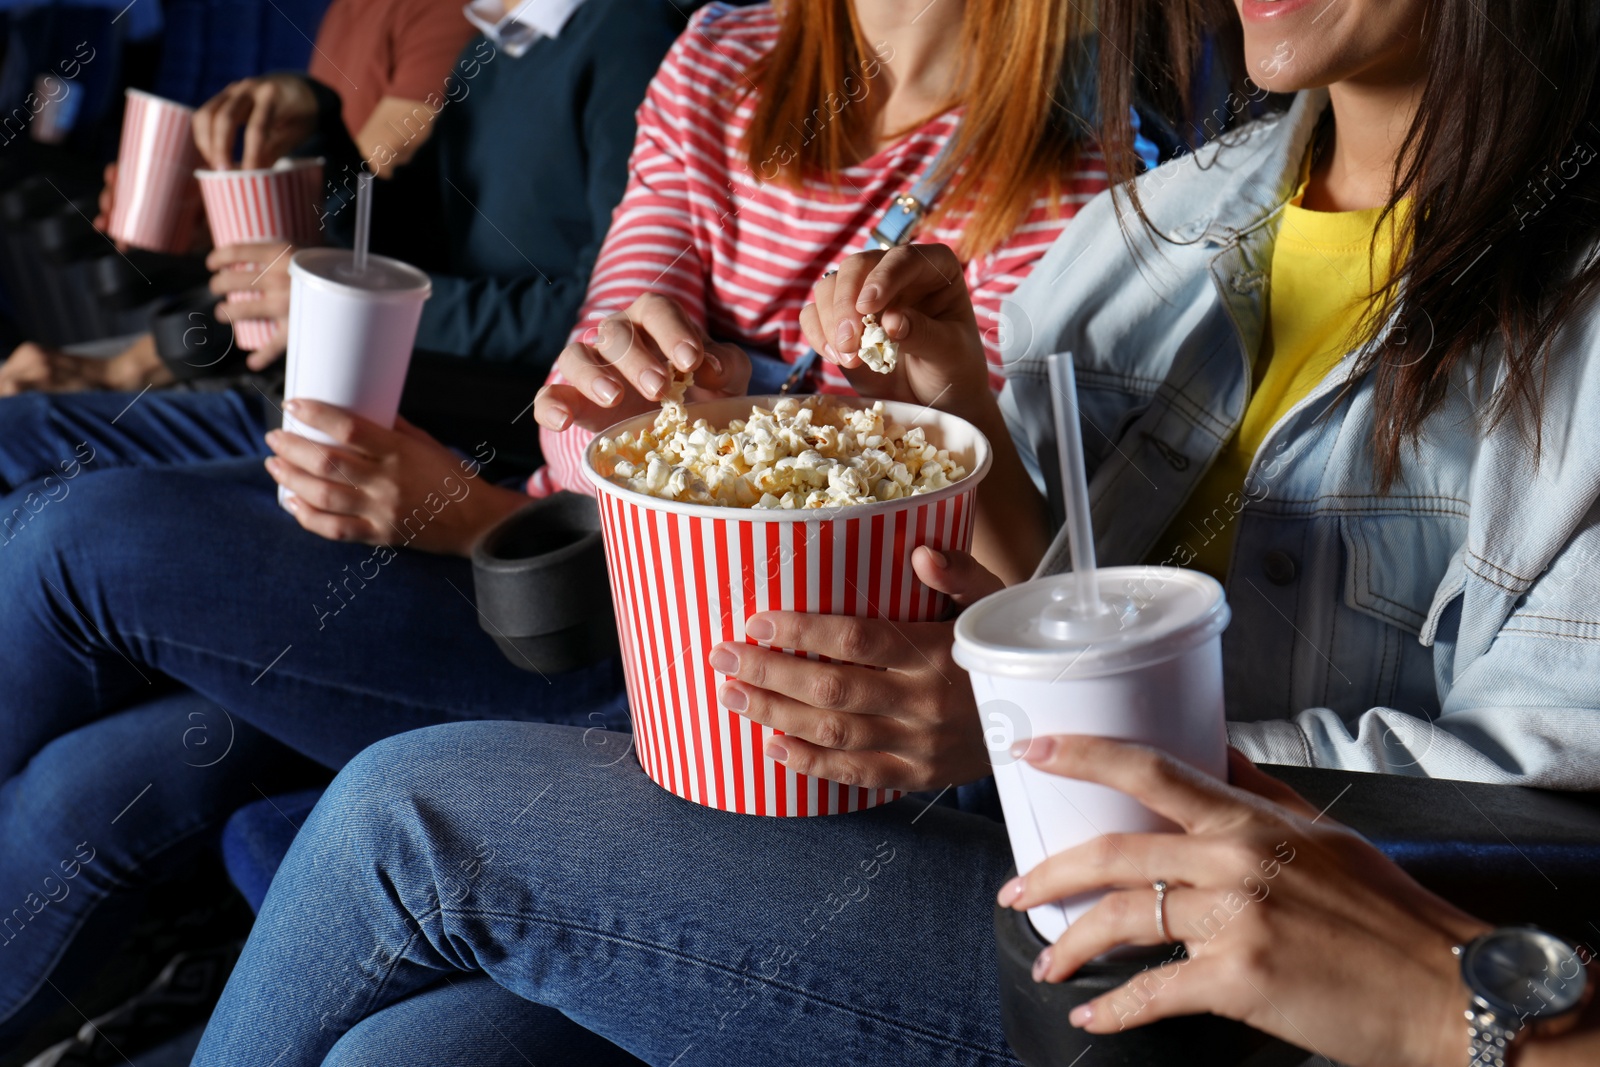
1161,910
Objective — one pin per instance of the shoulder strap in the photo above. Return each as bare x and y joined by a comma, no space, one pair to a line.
897,224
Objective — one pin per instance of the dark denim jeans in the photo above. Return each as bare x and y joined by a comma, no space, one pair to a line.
101,815
542,857
56,435
195,574
141,578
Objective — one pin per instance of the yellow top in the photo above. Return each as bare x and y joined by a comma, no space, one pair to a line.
1325,267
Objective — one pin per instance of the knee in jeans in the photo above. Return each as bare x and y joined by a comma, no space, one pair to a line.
412,782
53,513
383,779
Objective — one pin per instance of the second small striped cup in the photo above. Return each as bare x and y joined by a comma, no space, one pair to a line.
155,205
686,576
280,203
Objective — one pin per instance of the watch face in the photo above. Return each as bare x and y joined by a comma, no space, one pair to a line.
1524,973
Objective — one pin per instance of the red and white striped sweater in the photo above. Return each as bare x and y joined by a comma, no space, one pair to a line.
741,255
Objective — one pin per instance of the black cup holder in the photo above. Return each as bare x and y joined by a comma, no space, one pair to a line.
1035,1016
541,585
190,340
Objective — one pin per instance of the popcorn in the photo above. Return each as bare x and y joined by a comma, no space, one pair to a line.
801,453
877,351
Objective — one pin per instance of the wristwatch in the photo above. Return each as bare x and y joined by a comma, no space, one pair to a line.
1516,975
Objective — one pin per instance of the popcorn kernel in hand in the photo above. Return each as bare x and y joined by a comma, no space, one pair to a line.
877,351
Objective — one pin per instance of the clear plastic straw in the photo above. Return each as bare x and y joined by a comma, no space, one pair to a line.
1074,485
363,221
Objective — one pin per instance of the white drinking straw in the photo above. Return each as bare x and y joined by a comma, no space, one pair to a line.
1074,484
363,220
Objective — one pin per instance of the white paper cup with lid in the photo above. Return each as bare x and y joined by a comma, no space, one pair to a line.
350,335
1150,671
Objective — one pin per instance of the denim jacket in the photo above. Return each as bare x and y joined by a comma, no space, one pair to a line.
1449,627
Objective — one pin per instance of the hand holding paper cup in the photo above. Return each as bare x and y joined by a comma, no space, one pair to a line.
282,203
350,333
1133,653
155,204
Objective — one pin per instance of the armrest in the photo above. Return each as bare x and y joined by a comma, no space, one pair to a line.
1505,853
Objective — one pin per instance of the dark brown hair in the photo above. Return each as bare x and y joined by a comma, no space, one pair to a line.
1499,169
815,106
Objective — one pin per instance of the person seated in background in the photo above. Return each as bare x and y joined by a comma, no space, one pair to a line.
378,70
382,639
1240,333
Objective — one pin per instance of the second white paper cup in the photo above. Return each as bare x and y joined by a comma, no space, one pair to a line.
1153,674
350,336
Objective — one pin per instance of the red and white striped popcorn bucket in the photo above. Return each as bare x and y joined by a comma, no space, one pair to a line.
686,576
280,203
155,204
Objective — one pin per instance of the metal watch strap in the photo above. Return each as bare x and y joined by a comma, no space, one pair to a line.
1490,1040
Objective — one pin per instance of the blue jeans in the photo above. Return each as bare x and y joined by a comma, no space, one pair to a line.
102,814
56,434
542,857
195,574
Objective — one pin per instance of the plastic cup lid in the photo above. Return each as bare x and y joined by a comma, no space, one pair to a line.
383,278
1155,613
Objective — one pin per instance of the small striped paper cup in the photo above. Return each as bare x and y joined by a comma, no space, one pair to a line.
280,203
686,576
155,205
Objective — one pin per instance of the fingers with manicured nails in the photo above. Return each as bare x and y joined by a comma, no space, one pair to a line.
594,377
1162,992
319,460
1160,782
647,342
1124,917
841,322
754,670
928,275
628,349
724,370
271,255
868,642
1124,861
811,328
270,305
335,496
873,770
334,527
349,429
957,574
272,351
554,404
839,731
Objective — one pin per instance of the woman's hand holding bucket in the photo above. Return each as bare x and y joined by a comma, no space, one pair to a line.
627,366
890,711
